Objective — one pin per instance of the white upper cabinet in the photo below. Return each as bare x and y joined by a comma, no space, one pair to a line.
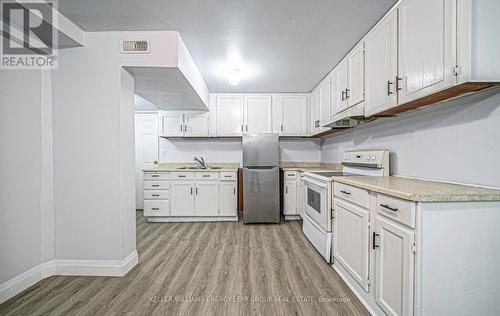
229,115
258,114
341,85
426,47
315,113
324,101
381,49
356,75
171,124
196,124
291,114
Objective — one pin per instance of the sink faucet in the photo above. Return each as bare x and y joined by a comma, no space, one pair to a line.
201,162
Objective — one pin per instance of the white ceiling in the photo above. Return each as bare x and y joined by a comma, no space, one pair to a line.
284,45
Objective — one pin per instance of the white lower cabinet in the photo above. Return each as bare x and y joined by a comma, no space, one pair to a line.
182,198
290,198
228,198
190,196
394,267
350,239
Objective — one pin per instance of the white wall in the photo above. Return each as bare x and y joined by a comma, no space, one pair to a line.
455,141
230,150
23,194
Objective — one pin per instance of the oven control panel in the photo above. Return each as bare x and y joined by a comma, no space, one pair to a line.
369,158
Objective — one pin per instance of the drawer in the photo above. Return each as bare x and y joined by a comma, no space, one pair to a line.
156,207
225,175
156,185
399,210
206,175
157,194
181,175
290,175
156,176
352,194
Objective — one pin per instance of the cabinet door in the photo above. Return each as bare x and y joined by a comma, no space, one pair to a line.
258,114
381,53
335,100
290,207
172,124
341,85
324,101
228,198
206,198
315,114
229,115
196,125
394,267
350,242
356,75
182,198
426,47
294,115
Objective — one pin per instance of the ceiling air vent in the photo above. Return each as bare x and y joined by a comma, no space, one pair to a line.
135,47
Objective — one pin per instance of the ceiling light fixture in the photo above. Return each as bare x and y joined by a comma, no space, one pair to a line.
234,77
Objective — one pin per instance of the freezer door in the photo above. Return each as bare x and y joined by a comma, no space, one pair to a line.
260,150
261,200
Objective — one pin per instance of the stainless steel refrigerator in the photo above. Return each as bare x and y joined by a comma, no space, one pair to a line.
261,194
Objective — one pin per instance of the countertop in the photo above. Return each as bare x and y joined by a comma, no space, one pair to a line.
422,190
309,166
174,166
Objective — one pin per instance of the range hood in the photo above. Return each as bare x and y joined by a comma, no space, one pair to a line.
349,117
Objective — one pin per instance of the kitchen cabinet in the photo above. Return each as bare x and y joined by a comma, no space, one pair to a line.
394,271
206,198
229,115
196,124
341,92
381,55
290,199
171,124
189,196
426,47
355,92
350,239
291,114
182,198
228,198
258,114
324,101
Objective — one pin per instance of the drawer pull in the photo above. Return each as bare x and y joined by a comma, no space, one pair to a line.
181,176
228,176
206,175
155,175
155,195
155,185
388,207
155,208
374,241
345,192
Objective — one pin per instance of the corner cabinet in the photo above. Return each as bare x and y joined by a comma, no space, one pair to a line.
181,196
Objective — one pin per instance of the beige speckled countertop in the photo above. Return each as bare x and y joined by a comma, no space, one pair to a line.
177,166
422,190
309,166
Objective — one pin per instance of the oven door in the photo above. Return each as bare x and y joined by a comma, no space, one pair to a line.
315,200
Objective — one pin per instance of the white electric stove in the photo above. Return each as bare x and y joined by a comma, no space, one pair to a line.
318,188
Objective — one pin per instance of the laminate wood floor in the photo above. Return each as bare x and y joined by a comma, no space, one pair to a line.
203,269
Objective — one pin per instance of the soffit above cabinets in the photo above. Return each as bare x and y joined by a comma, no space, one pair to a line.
290,45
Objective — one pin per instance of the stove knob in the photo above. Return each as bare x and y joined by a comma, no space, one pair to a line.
374,157
367,157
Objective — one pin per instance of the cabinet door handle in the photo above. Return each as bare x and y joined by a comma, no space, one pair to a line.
191,191
347,95
155,208
156,195
389,83
155,185
374,242
246,127
181,176
185,128
343,92
242,127
234,191
155,175
181,128
282,127
398,87
196,191
286,190
389,208
345,192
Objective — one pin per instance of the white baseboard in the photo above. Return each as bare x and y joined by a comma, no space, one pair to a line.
192,219
26,279
292,218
